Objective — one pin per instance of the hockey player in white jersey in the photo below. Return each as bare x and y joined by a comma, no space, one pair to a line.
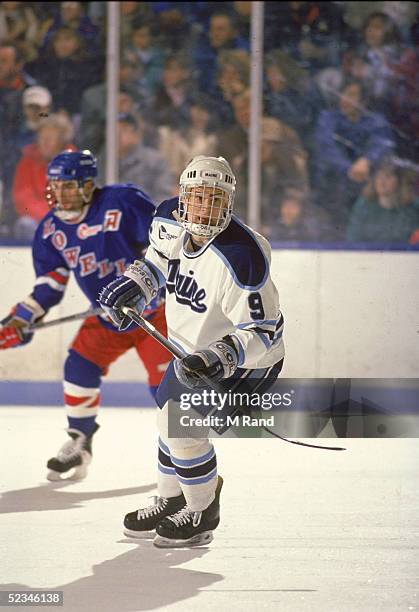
222,310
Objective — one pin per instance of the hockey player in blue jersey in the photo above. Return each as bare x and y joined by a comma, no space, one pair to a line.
222,310
94,233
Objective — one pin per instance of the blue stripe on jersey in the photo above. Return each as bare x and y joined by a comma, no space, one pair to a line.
165,210
242,255
263,337
272,322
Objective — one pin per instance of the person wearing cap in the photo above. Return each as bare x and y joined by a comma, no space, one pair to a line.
36,103
139,163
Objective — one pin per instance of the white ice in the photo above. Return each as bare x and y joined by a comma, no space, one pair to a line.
301,529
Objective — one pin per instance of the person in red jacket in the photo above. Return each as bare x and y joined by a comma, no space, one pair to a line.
54,134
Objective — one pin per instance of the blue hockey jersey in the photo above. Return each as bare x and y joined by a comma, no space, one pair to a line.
112,234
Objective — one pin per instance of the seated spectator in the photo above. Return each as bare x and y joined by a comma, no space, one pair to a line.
139,164
401,12
233,141
72,15
222,36
149,54
19,25
175,23
283,162
233,78
36,102
313,33
132,13
54,134
93,108
172,99
295,218
371,62
388,210
347,142
289,96
405,102
66,69
243,17
179,145
13,81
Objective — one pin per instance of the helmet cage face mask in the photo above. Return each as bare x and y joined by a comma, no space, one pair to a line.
206,196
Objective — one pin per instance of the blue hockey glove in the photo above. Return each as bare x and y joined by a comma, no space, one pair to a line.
216,362
134,289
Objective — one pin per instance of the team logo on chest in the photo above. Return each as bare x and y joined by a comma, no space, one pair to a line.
185,287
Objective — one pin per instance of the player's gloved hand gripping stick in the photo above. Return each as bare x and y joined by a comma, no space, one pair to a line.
150,329
13,337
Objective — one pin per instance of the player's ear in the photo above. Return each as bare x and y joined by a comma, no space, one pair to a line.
89,186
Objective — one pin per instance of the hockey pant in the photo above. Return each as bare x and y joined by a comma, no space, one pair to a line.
190,464
93,350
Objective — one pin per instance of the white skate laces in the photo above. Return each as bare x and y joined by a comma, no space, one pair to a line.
159,504
185,516
71,448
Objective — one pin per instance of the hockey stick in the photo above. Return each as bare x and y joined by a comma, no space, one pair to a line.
150,329
74,317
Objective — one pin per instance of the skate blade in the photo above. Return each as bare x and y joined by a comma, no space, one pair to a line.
201,539
139,535
78,473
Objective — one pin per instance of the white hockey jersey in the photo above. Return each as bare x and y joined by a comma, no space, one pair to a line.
224,288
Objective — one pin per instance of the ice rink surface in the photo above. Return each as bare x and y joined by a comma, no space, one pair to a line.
301,529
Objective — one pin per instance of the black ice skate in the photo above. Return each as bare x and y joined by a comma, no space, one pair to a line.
75,454
142,522
188,528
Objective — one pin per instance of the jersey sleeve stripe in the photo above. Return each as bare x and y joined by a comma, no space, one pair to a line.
63,271
60,278
264,339
241,350
46,280
271,322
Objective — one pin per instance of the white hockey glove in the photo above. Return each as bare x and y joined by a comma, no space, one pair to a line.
216,362
135,289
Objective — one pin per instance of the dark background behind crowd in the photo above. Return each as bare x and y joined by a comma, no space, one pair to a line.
340,125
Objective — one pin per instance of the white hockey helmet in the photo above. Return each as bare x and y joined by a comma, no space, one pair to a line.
206,196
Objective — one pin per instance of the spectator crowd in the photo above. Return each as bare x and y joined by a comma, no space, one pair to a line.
340,124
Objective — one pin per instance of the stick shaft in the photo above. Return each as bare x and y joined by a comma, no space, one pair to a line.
150,329
74,317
